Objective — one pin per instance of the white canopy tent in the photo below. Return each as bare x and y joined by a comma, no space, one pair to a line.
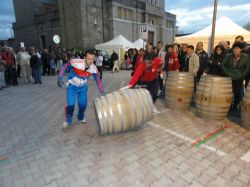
226,30
119,42
140,43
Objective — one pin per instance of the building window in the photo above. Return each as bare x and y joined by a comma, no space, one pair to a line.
119,12
169,24
47,8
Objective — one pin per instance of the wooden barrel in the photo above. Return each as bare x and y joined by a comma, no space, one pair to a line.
214,97
123,110
245,109
179,89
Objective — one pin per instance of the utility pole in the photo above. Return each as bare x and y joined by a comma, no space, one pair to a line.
213,26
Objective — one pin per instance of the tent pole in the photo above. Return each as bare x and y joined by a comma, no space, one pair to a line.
213,27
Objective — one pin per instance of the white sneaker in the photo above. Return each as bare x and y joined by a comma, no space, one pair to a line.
155,110
65,125
82,121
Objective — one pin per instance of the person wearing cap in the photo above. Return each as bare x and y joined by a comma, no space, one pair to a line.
147,73
79,72
236,65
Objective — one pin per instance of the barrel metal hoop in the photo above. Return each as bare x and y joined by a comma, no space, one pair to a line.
133,106
144,98
143,109
111,113
119,109
105,113
99,114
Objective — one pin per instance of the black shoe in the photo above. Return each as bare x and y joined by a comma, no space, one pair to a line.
40,82
35,82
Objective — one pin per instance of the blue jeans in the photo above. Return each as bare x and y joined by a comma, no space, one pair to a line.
36,74
81,93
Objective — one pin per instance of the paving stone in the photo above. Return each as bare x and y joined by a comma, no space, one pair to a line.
40,153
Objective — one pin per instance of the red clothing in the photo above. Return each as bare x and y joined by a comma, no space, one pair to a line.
139,60
173,62
146,74
9,58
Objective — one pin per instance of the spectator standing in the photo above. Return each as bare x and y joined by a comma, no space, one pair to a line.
193,63
35,65
59,59
172,62
114,59
9,58
214,66
139,58
236,65
45,61
2,69
52,63
161,55
203,59
23,58
183,58
99,60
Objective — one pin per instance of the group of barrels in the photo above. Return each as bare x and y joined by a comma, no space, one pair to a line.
213,96
128,109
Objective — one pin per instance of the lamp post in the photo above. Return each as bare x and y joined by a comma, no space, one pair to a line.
213,26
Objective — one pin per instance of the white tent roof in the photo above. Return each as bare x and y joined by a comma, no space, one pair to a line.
224,26
116,43
140,43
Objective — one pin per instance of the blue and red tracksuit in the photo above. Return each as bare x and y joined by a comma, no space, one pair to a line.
77,86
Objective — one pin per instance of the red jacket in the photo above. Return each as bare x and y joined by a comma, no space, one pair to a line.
9,58
173,62
144,74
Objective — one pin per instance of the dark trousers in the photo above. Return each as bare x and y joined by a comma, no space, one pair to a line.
195,83
199,74
18,70
238,91
36,75
10,76
160,80
46,69
152,87
100,71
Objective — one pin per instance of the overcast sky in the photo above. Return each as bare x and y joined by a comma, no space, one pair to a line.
192,15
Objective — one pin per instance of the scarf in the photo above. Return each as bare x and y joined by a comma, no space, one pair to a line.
236,60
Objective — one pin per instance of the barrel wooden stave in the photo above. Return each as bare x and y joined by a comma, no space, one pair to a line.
213,97
179,90
245,110
123,110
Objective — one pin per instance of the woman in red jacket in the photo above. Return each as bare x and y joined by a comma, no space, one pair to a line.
172,61
147,73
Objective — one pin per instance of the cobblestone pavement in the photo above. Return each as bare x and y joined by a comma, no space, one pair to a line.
34,151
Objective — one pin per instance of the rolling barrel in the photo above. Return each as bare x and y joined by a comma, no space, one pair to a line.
213,97
245,110
123,110
179,90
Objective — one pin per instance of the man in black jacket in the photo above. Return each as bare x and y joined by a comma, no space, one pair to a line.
203,57
35,66
183,58
114,59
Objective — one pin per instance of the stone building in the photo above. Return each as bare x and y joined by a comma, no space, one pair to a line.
36,22
85,23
